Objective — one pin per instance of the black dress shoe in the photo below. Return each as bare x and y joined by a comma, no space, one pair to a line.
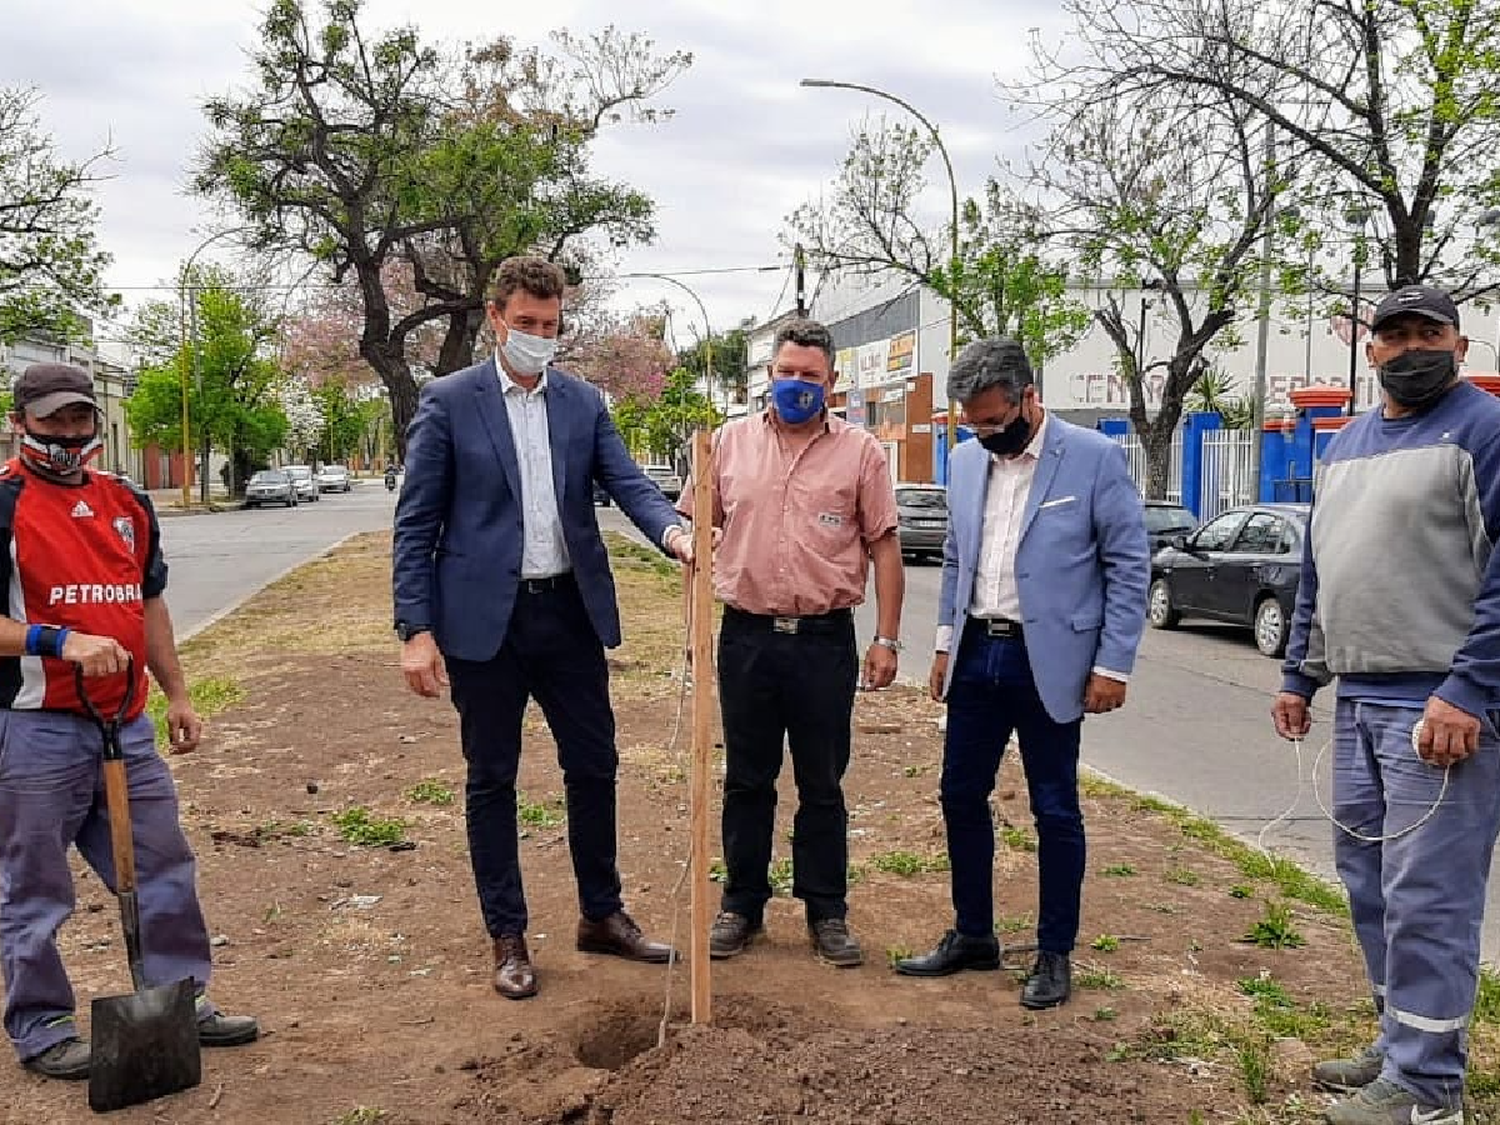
954,953
1050,982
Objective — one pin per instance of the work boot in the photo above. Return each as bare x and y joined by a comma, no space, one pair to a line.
731,935
68,1060
619,936
219,1030
1351,1074
1382,1102
833,943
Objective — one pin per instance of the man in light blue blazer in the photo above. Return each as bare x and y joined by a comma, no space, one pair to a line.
1045,571
502,583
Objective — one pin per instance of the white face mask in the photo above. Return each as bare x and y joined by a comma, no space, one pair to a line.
527,355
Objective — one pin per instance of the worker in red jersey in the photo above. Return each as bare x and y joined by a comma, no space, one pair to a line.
82,575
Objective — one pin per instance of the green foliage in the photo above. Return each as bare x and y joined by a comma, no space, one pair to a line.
1017,838
357,826
50,266
781,876
909,863
1105,943
663,426
430,791
209,696
539,814
1119,869
1210,394
1275,930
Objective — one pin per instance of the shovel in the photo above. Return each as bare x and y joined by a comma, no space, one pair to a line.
145,1045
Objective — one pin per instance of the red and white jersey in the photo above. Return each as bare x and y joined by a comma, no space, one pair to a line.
83,557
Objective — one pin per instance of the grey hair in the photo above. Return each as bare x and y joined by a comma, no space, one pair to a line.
986,364
805,333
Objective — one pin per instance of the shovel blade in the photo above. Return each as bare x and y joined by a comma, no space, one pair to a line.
144,1046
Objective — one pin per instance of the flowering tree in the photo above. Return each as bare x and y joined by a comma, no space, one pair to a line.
625,357
304,417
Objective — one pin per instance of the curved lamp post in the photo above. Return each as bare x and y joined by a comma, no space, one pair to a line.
824,83
183,317
708,338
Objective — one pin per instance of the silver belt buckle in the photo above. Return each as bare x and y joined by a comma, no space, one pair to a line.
998,627
784,624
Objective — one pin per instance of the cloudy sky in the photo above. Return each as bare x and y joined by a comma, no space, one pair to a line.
745,147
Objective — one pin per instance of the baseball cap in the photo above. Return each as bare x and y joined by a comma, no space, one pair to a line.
1419,300
45,388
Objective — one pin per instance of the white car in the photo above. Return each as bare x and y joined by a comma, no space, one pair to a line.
302,477
334,478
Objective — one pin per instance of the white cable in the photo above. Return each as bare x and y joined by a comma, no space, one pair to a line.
1416,732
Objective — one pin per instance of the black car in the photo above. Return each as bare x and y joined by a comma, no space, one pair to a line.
1241,566
923,519
1165,521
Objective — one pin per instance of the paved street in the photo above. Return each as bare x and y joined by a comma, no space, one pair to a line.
1196,730
219,559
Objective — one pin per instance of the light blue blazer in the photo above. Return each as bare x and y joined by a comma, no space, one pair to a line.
1083,565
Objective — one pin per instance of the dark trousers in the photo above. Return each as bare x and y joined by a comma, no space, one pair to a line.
992,695
551,654
797,687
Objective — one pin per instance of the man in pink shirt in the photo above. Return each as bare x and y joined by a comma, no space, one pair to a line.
805,504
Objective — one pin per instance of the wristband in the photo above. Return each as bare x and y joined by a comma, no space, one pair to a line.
33,635
59,638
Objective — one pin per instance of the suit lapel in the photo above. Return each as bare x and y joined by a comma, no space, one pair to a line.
1046,469
557,433
491,402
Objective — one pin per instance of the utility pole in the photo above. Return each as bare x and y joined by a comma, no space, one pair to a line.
799,265
1263,321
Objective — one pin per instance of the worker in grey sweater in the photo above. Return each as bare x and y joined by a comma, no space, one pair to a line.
1400,602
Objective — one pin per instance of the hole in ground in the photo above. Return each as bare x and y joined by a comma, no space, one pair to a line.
616,1035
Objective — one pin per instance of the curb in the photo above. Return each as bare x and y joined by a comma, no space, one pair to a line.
224,611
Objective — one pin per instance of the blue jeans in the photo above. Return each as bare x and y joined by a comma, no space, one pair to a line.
992,695
1417,902
51,797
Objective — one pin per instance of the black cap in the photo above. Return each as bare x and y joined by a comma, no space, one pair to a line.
45,388
1419,300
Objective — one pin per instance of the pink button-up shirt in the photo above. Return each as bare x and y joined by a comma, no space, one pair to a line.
798,516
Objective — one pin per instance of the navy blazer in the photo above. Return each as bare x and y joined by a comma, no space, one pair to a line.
456,559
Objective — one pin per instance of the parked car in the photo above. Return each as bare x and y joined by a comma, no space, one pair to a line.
1241,566
270,486
923,519
334,478
665,478
1165,521
302,477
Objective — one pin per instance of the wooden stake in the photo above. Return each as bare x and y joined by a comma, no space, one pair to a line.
701,595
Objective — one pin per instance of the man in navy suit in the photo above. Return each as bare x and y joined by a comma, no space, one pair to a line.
1045,570
503,586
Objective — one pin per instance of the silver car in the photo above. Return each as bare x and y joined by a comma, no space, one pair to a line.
306,483
922,523
334,478
270,486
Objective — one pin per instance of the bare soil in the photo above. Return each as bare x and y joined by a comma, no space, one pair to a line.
370,971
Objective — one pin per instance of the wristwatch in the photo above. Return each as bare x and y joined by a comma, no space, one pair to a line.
406,632
888,642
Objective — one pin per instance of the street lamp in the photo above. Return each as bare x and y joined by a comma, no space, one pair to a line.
708,338
823,83
183,321
1356,217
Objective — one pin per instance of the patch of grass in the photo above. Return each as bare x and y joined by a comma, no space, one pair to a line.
1018,838
1105,943
539,814
1119,870
1292,881
1275,930
1255,1069
1487,1000
717,871
894,953
909,864
358,827
854,874
1105,1014
430,791
915,771
1183,877
1014,924
362,1115
1098,978
209,696
1240,890
781,876
280,829
627,553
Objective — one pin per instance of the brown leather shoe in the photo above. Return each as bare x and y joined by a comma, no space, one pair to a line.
619,936
515,979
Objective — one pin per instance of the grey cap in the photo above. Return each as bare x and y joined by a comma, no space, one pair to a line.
45,388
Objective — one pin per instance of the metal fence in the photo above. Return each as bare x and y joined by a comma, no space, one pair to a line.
1135,453
1228,465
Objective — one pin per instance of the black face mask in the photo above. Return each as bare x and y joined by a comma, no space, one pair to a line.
1417,378
1009,441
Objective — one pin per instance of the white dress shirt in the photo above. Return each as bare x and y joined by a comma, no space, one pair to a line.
996,593
544,552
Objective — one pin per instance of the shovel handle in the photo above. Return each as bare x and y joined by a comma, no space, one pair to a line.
117,801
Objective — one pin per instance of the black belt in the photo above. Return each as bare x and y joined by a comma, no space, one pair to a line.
998,627
832,622
547,585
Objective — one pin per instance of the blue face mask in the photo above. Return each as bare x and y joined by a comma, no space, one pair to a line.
795,400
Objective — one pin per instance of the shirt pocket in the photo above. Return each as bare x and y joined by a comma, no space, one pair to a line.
828,513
